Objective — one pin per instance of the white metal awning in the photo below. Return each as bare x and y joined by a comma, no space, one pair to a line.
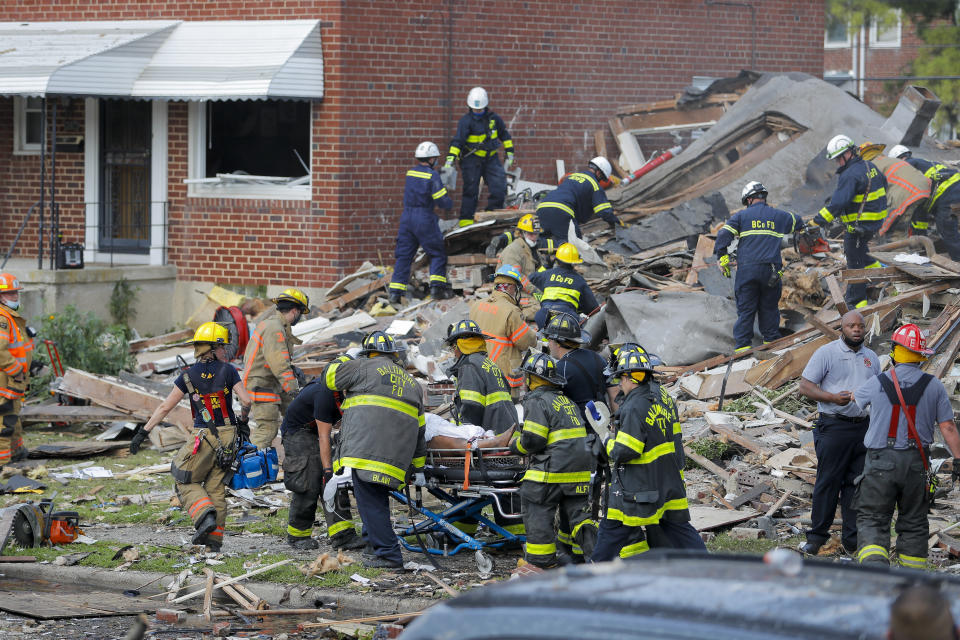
165,60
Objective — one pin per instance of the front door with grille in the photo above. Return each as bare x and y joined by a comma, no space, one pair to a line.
125,169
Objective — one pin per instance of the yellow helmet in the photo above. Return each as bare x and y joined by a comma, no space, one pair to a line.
870,150
295,296
529,223
212,332
568,253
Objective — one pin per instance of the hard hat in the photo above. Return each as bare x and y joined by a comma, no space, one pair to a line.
837,145
211,332
898,151
463,329
617,349
426,149
295,296
602,165
529,223
568,253
543,366
752,189
477,98
870,150
507,273
9,282
565,327
632,360
379,342
910,337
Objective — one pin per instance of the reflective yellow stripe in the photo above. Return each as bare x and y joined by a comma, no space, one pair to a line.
872,550
913,562
600,207
474,139
486,400
946,184
761,232
515,441
338,527
371,465
576,529
588,178
921,225
635,549
298,533
331,377
630,442
873,195
658,451
636,521
440,194
826,215
876,264
508,144
556,205
398,285
566,434
554,477
535,428
419,462
413,173
861,304
563,294
369,400
732,230
437,278
541,549
454,151
866,216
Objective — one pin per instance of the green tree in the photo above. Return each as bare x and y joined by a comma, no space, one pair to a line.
861,13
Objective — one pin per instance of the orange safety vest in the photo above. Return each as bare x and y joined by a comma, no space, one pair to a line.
20,347
901,190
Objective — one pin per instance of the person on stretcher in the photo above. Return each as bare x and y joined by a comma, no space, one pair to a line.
443,434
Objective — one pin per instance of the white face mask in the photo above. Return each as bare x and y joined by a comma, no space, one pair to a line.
531,243
13,304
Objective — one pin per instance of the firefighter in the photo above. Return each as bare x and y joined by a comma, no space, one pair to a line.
201,466
381,437
307,435
540,247
860,201
524,256
646,486
907,190
501,320
760,229
578,198
419,226
479,135
558,475
581,368
563,288
16,356
613,380
905,406
482,396
268,373
944,204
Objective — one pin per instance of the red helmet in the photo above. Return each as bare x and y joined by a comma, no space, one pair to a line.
910,337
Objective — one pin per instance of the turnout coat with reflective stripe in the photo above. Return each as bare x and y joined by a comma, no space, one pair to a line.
580,197
508,334
482,397
760,228
382,429
16,353
646,483
554,437
266,368
859,184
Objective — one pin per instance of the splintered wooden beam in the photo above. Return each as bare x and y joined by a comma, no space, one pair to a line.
836,295
359,292
822,326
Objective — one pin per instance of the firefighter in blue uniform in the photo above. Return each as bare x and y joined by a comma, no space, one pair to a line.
564,290
860,201
578,198
760,229
479,135
419,225
944,203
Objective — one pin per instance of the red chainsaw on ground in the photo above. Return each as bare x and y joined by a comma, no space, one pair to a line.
808,241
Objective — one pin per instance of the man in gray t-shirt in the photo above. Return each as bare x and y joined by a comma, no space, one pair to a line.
831,375
894,473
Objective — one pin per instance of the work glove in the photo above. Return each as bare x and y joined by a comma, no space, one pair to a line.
419,479
724,262
243,428
327,476
508,163
449,163
955,473
139,435
35,367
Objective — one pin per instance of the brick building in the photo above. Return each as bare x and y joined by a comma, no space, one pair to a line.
393,74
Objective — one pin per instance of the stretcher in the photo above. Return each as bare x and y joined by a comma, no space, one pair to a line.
465,483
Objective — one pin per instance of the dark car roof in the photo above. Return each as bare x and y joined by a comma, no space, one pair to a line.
681,595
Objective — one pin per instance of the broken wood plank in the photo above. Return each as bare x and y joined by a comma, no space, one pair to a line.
705,517
853,276
71,413
296,612
89,604
778,504
823,327
17,559
722,500
208,593
836,295
600,142
357,293
707,464
704,249
948,357
945,263
787,416
743,440
751,494
167,338
469,259
221,585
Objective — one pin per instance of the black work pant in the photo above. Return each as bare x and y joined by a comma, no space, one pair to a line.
491,170
617,539
541,504
674,534
303,477
946,219
373,503
555,223
855,248
840,452
756,299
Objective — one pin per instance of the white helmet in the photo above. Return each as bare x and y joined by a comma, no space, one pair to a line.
837,145
477,98
426,149
752,190
602,165
898,151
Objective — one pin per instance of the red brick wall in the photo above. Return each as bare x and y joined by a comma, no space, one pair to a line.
554,71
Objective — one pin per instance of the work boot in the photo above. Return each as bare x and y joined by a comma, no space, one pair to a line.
19,454
214,547
207,524
379,562
395,297
809,548
302,543
440,292
347,540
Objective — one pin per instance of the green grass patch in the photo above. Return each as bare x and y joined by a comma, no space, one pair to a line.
724,543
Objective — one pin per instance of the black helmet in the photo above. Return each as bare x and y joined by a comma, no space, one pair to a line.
631,360
379,342
617,349
564,327
463,329
543,366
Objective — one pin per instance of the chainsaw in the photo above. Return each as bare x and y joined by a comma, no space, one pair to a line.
33,525
808,241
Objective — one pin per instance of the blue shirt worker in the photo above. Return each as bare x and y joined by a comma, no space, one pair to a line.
564,290
831,376
944,202
906,405
480,133
419,226
860,201
578,199
757,288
